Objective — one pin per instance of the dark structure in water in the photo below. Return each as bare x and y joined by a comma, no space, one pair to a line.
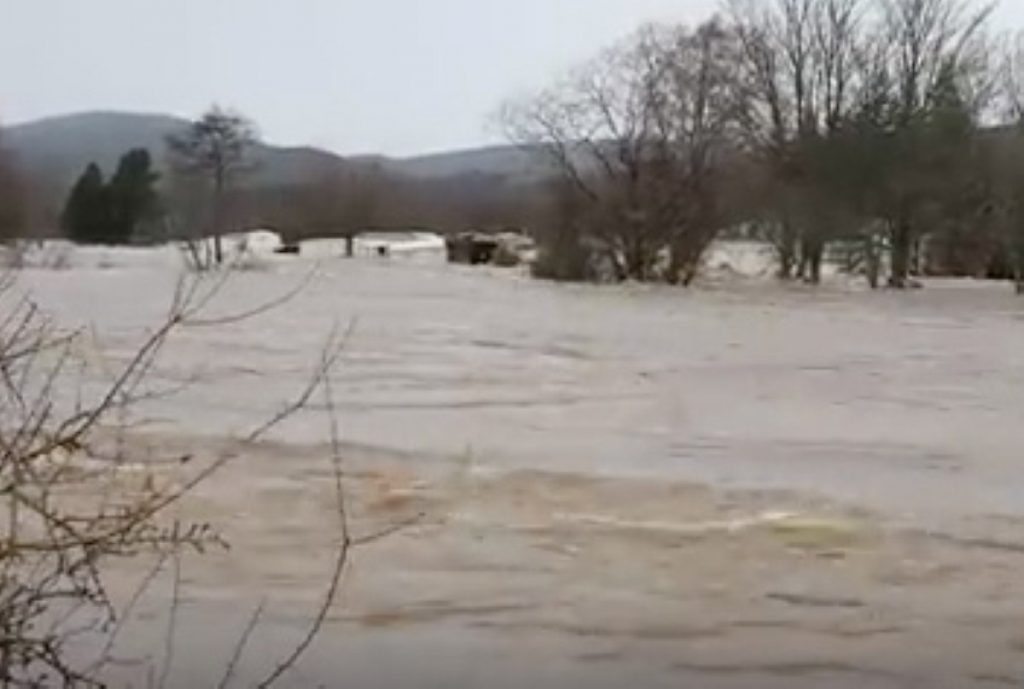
472,248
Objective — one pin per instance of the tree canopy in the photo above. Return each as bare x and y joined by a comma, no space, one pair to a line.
98,212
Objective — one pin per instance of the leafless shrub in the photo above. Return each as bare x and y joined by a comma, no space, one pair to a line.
199,254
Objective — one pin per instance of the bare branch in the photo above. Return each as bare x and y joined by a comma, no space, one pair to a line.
243,642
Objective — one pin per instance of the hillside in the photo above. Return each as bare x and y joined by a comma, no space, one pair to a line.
474,186
56,150
502,161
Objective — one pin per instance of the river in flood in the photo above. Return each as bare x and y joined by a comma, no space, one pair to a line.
741,485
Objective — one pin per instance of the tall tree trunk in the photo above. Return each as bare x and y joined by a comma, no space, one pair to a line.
677,263
872,259
787,248
618,264
813,255
690,274
218,217
901,249
636,260
914,267
683,266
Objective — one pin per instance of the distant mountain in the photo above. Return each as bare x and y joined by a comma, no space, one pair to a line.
56,150
455,188
511,162
59,148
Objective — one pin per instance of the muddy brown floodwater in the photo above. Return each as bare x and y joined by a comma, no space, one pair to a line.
735,486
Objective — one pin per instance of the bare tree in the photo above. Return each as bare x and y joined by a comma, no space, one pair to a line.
799,61
698,138
926,40
215,149
777,49
339,203
639,133
820,74
596,127
560,228
836,45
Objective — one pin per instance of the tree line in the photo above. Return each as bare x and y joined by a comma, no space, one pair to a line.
204,160
888,131
206,182
12,196
102,212
885,136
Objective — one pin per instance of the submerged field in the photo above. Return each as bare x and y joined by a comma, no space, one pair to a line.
741,485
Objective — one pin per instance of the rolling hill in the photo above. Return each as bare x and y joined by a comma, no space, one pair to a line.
458,188
57,149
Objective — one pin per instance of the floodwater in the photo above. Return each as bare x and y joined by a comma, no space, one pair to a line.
741,485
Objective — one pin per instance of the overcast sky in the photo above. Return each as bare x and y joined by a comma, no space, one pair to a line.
357,76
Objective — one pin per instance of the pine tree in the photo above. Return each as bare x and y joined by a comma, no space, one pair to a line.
86,217
101,213
132,195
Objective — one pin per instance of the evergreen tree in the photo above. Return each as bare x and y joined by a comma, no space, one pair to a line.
132,195
86,217
100,213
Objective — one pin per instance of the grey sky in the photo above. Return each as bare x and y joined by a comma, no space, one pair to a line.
390,76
